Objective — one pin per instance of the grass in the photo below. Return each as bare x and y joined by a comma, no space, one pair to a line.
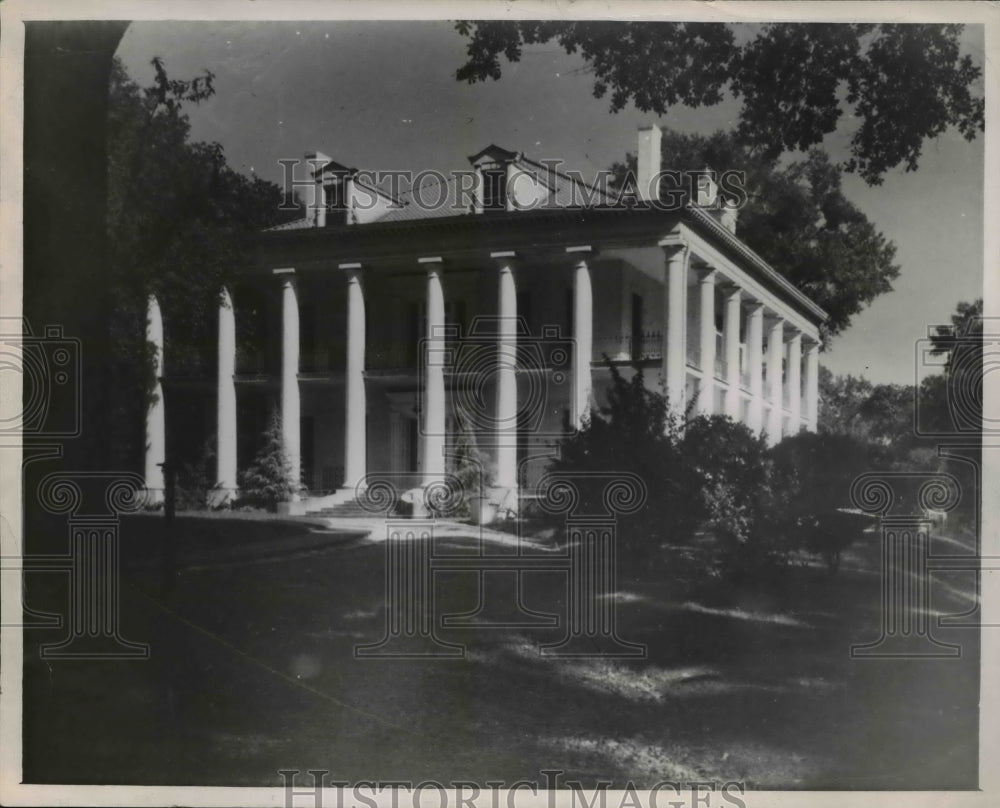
252,671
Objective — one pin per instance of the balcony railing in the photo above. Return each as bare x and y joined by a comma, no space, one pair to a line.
629,347
391,355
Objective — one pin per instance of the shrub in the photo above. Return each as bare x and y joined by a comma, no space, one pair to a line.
813,474
195,482
472,471
729,491
270,479
633,433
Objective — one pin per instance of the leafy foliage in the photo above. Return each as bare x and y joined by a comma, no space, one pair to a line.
472,468
903,83
178,224
729,491
797,217
196,482
812,474
270,479
635,432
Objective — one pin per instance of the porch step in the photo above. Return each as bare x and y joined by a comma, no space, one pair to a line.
350,508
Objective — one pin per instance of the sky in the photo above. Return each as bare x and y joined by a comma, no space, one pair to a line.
383,95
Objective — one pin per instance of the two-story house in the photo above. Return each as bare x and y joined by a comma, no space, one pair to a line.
384,327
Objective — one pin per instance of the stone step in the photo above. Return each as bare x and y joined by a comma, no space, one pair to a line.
350,508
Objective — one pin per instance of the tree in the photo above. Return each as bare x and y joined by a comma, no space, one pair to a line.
962,344
728,489
796,216
472,468
812,478
270,478
634,432
904,83
179,221
841,399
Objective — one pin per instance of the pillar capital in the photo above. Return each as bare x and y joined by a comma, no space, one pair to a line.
350,266
707,274
504,261
581,249
431,262
675,247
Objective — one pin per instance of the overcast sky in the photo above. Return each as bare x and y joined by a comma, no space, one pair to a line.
382,95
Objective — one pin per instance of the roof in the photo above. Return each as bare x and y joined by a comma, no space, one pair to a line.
437,200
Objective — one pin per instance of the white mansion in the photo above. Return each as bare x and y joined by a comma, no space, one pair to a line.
382,329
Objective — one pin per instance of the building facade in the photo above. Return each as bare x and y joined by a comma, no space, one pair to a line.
388,332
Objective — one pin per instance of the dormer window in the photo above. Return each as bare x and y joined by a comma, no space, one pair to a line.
336,194
494,187
492,165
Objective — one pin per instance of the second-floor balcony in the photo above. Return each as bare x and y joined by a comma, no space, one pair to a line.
638,347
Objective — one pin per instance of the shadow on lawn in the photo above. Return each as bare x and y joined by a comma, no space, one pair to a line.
253,671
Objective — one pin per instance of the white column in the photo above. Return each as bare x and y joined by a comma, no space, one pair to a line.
506,412
355,421
290,408
675,322
795,383
583,338
755,360
706,352
731,335
156,414
225,455
775,355
812,386
434,398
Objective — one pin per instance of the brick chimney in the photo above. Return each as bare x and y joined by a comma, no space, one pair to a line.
650,138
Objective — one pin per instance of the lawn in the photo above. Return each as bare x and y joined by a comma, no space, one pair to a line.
252,671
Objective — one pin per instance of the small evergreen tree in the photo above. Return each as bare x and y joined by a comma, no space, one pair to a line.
270,478
472,468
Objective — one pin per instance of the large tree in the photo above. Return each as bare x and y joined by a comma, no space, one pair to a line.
904,83
962,345
179,224
795,215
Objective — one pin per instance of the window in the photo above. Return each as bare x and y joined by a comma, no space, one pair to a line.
416,326
636,335
454,316
307,337
494,187
524,308
336,198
